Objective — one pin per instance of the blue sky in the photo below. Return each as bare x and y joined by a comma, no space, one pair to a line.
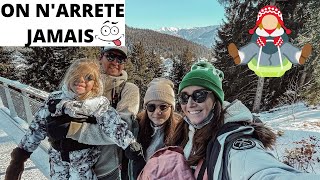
154,14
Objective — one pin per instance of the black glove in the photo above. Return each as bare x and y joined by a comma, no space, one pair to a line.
134,151
58,127
52,105
16,166
90,119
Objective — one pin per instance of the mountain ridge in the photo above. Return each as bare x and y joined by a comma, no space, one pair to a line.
200,35
164,44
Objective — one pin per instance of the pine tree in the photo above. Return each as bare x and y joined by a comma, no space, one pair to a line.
137,69
240,82
181,65
47,66
155,64
295,17
287,83
89,52
311,34
6,66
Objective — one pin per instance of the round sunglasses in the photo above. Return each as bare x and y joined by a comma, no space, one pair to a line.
198,96
111,57
87,78
153,107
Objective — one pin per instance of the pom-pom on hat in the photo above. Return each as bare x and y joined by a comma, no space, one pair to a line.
205,75
160,89
269,10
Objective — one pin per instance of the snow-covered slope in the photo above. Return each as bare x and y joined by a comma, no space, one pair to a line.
298,127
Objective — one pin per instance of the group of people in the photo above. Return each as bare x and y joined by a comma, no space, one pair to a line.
96,132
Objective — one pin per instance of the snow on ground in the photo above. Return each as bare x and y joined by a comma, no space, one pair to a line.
298,129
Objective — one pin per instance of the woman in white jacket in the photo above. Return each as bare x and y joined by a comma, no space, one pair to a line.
220,139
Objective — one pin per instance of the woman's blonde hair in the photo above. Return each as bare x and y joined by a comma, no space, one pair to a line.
83,67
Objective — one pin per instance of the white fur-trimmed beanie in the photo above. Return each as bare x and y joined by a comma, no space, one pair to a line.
160,89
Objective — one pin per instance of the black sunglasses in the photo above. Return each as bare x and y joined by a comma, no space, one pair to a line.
198,96
153,107
88,77
111,57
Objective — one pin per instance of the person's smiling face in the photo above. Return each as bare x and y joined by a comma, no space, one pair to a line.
197,112
82,84
158,111
114,67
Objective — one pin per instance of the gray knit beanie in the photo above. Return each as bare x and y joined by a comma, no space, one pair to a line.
160,89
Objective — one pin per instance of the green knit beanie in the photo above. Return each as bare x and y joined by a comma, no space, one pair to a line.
205,75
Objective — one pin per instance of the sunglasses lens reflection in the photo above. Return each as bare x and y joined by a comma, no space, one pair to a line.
89,77
184,97
163,107
153,107
198,96
111,57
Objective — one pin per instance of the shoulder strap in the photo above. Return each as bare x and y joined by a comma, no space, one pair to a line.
202,170
116,94
214,148
227,146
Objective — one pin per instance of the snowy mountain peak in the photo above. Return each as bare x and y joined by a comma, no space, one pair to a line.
172,29
201,35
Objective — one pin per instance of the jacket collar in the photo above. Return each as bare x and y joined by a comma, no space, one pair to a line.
114,81
206,121
156,129
67,93
236,112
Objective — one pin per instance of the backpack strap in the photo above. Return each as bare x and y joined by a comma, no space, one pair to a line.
115,98
202,170
230,142
214,148
116,94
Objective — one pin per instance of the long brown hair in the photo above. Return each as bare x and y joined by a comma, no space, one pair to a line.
145,129
201,137
205,134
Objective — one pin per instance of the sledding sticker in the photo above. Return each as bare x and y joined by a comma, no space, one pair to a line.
269,53
62,23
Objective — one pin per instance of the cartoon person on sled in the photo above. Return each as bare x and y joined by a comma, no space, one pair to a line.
269,53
